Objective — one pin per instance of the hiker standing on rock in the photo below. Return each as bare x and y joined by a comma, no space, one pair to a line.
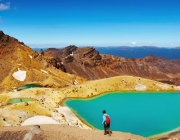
106,122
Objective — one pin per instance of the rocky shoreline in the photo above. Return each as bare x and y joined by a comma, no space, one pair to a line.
49,100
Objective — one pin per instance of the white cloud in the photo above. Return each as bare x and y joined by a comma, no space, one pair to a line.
5,6
133,43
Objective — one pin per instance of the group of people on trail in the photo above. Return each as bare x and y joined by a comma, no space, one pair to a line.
106,122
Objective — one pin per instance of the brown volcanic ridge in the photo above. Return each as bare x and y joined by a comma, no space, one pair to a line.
15,55
82,62
88,63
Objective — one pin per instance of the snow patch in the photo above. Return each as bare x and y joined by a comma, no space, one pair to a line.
30,56
19,75
71,54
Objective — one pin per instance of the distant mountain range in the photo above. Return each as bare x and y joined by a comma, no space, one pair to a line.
141,52
137,52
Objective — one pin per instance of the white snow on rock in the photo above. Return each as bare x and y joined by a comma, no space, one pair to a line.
19,75
36,120
140,87
30,56
71,54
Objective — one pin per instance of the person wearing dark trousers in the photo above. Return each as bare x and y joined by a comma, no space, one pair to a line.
106,122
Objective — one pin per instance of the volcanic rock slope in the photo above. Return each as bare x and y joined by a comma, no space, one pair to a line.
88,63
16,56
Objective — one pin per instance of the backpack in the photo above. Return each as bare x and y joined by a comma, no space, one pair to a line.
107,119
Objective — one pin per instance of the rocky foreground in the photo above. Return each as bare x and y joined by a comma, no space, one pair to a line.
48,104
60,132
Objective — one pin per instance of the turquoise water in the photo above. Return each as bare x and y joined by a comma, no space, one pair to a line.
29,86
138,113
19,100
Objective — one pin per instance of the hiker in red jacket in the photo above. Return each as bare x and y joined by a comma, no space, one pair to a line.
106,122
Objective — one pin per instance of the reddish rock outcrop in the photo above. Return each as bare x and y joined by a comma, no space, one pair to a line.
88,63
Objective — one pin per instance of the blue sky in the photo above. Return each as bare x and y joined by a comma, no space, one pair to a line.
60,23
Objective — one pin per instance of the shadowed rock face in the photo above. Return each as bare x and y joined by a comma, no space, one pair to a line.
88,63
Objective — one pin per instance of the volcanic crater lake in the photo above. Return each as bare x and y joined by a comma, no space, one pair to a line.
144,113
20,100
29,86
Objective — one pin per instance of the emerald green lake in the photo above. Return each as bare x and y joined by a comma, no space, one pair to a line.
19,100
29,86
144,113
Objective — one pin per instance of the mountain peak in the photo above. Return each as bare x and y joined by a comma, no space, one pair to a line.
1,33
6,40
